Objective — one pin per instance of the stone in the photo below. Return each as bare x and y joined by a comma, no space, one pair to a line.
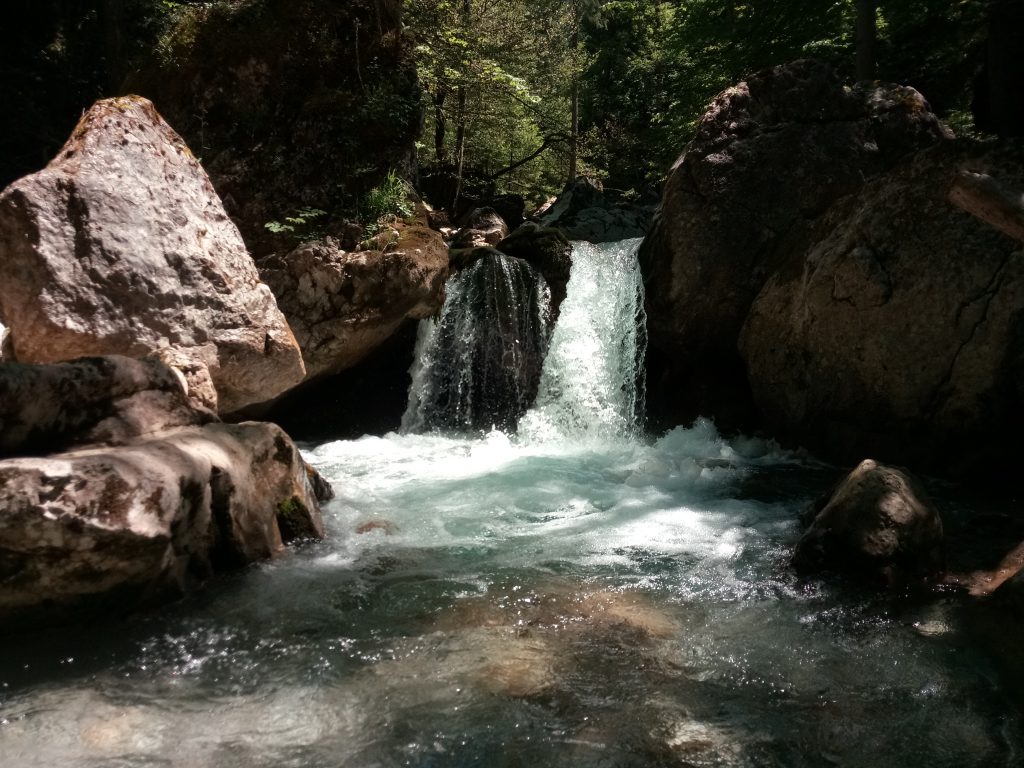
343,305
110,400
877,524
769,157
901,331
121,246
484,226
511,207
584,212
102,528
548,251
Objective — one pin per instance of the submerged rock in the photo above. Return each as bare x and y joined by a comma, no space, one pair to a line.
548,251
480,365
878,524
769,157
902,329
121,246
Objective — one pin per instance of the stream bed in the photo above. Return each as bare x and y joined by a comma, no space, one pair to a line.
573,594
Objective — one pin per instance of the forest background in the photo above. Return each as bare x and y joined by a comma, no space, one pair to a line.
521,95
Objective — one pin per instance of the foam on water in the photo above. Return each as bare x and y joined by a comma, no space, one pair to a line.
570,595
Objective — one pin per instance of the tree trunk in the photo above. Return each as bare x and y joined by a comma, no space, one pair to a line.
574,129
440,128
866,31
460,131
460,147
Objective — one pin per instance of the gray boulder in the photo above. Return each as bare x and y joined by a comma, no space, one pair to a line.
878,524
117,491
769,157
484,226
584,212
121,246
109,400
111,528
902,329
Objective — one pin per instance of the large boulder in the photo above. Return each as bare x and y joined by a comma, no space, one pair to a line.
483,227
121,246
109,400
902,330
877,524
101,528
769,157
585,212
343,305
117,490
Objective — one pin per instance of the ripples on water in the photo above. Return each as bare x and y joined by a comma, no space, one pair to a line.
593,600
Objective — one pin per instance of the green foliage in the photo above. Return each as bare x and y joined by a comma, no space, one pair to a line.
298,225
388,200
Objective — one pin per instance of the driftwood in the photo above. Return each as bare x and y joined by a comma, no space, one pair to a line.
981,583
984,198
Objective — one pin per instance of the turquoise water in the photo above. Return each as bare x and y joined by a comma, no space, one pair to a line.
577,594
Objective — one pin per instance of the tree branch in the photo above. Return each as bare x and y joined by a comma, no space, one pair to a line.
549,141
984,198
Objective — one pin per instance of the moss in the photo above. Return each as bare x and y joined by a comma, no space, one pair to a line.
292,519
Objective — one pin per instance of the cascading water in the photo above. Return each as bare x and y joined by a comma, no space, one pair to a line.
574,595
593,379
478,365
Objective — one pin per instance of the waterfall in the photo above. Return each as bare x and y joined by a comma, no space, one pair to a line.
593,380
478,365
487,359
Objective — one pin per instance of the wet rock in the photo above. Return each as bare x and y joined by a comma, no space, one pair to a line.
343,305
584,212
877,524
481,368
109,400
902,329
511,207
484,226
110,528
121,246
548,251
725,223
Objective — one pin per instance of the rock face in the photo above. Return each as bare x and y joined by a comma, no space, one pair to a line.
121,246
480,367
157,500
343,305
877,524
109,400
769,157
585,212
548,251
903,328
484,226
291,103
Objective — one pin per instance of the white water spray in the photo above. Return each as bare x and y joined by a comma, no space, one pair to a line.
593,379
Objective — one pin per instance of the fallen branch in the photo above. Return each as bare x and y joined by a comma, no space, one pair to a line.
984,198
981,583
